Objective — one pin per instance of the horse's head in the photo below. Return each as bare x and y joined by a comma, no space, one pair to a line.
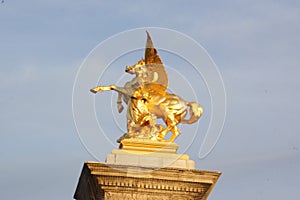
138,68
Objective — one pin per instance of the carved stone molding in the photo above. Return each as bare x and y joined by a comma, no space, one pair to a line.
99,181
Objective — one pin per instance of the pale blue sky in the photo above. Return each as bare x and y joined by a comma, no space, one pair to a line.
254,43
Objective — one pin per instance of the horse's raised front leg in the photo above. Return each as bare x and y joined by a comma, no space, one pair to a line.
121,90
111,87
101,88
119,102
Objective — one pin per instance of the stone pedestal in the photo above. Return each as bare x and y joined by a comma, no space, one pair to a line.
145,170
147,153
99,181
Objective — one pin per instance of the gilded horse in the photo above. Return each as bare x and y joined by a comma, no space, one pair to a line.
147,99
145,105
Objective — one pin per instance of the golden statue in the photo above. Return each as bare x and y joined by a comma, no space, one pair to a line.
147,99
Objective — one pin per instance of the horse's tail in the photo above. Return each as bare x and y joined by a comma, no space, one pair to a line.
195,113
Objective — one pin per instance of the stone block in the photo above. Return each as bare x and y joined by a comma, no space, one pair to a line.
99,181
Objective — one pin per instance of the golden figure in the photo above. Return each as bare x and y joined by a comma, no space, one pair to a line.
147,99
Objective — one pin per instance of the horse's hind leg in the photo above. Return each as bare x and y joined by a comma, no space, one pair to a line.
171,126
175,133
164,132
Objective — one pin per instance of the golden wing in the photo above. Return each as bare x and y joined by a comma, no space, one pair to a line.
157,78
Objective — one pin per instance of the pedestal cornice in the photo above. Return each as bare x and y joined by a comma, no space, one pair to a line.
112,182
